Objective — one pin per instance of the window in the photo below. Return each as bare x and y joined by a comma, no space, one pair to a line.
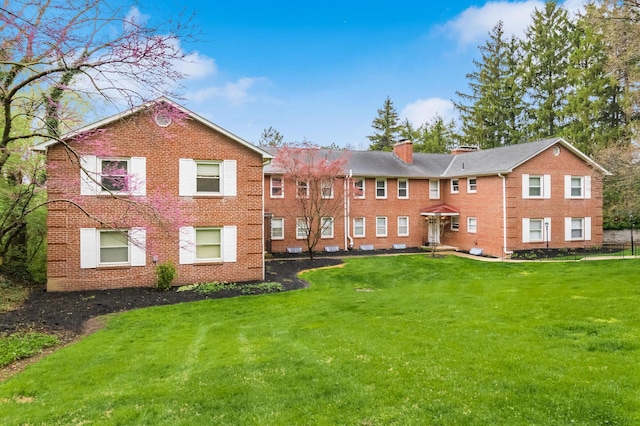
577,228
326,230
577,186
208,244
113,175
455,186
302,189
434,189
381,188
472,225
455,223
302,228
358,187
536,230
472,184
326,187
536,186
403,188
358,227
277,228
381,226
112,247
277,187
207,178
403,226
104,175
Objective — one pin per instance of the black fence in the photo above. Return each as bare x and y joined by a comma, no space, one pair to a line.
614,251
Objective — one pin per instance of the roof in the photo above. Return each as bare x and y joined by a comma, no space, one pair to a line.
101,123
478,163
440,210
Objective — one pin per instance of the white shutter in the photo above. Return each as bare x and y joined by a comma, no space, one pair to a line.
229,172
525,230
139,175
567,186
546,179
88,248
587,187
525,186
88,175
567,229
587,229
547,229
138,238
187,177
187,245
229,244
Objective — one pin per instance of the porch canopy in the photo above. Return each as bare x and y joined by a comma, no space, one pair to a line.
440,210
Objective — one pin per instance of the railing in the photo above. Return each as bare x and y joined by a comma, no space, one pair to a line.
613,251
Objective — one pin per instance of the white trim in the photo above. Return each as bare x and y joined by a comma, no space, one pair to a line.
406,188
469,190
281,219
386,188
469,219
271,187
451,190
364,229
386,226
403,234
437,189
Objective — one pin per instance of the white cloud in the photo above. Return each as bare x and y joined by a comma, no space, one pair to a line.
135,17
423,110
234,92
195,66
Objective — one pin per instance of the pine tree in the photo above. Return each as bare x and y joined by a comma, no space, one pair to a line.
270,137
436,136
386,128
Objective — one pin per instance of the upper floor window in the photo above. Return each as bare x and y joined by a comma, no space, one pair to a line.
403,188
472,184
381,188
277,187
358,187
434,189
358,227
207,178
326,187
472,225
277,228
536,186
577,186
455,186
112,175
302,189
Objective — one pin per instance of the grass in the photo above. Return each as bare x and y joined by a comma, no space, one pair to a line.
386,340
23,345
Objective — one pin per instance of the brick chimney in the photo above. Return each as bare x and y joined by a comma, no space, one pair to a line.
463,149
404,151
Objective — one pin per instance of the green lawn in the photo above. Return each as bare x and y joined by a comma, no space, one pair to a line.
386,340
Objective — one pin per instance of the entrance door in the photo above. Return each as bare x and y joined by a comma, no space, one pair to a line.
434,230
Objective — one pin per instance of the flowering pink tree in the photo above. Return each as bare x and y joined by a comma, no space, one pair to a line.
318,176
57,57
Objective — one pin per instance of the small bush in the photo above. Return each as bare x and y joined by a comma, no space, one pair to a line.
166,273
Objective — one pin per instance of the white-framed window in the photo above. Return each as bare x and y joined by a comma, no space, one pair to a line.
472,225
326,227
381,188
277,187
403,188
535,230
455,223
455,186
358,187
326,189
536,186
381,226
403,226
207,178
208,244
577,186
302,228
302,189
577,228
434,189
112,247
277,228
113,175
472,185
358,227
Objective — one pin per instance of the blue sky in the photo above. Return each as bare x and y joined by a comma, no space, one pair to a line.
320,70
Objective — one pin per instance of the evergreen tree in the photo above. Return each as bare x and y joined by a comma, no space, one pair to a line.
492,113
270,137
386,126
407,131
436,136
548,47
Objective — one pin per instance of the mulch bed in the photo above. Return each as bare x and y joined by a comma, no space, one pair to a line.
66,314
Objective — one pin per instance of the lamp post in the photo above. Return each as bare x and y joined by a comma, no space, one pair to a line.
546,227
631,223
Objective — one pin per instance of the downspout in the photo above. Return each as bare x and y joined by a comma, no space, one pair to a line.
348,241
504,214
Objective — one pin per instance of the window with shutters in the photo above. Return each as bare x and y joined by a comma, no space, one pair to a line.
207,178
112,247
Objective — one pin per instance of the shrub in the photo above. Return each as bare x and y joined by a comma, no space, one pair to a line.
166,273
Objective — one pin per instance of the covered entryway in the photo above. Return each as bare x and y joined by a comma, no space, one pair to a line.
438,217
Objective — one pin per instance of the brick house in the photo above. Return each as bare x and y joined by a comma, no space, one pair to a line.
209,179
527,196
